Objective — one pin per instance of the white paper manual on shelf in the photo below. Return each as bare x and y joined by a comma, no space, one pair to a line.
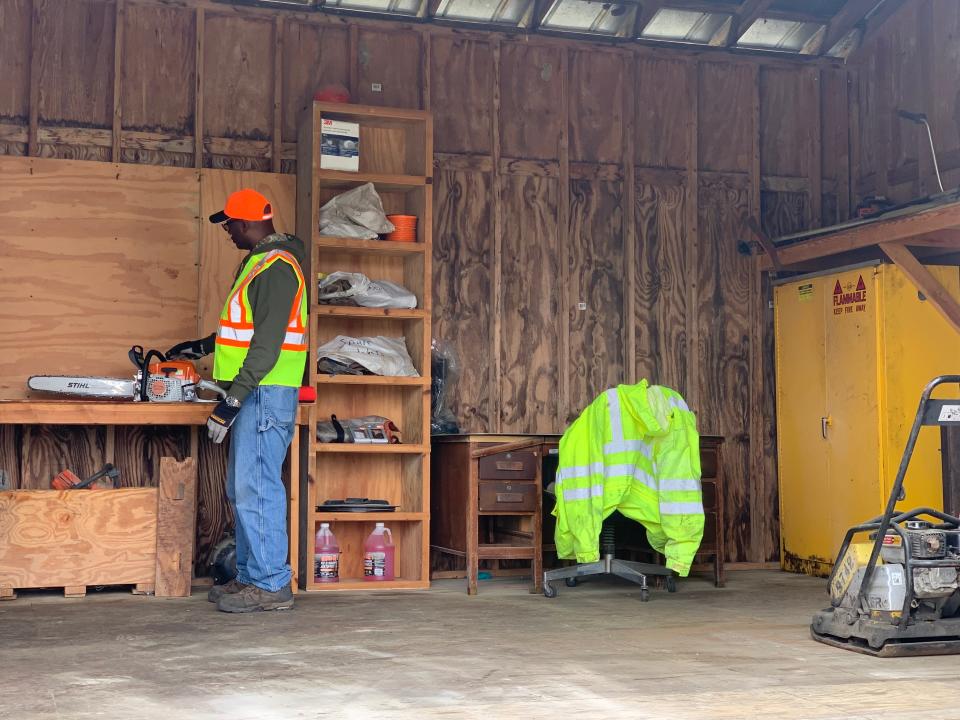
357,213
347,288
378,355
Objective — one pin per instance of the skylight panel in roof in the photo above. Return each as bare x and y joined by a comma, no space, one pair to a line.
584,16
775,34
501,12
684,26
389,7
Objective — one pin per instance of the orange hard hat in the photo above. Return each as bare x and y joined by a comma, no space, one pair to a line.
244,204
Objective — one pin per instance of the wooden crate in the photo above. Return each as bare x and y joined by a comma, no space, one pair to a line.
78,538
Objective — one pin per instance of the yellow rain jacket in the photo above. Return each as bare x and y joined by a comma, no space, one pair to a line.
635,449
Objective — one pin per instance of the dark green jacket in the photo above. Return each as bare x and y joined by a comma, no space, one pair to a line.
271,296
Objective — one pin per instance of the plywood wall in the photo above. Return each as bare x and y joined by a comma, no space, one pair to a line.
98,257
588,200
910,64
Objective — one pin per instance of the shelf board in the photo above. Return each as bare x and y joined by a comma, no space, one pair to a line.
372,449
112,412
381,116
382,181
363,313
383,517
379,380
357,584
355,245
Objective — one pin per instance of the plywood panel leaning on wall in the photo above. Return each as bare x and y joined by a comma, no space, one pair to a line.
106,258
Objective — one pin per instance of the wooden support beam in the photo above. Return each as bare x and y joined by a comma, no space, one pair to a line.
895,229
879,18
563,241
919,275
496,187
119,14
198,92
628,105
35,43
748,14
814,150
759,522
948,239
692,239
851,14
276,150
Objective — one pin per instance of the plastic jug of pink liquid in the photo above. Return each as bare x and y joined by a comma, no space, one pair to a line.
378,555
326,556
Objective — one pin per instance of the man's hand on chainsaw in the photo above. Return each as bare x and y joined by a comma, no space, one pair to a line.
222,418
192,349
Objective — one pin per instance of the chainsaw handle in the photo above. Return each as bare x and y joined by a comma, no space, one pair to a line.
212,387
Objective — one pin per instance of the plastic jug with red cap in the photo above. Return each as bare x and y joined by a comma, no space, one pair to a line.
378,555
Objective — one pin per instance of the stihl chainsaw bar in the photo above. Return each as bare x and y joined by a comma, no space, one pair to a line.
100,387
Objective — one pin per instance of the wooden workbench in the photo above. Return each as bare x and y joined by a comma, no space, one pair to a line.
124,413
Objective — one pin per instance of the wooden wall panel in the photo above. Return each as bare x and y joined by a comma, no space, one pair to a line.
15,59
595,262
391,59
313,56
461,88
725,126
77,54
219,259
238,77
596,121
530,305
662,277
785,122
462,273
11,445
138,449
663,113
159,58
132,279
531,112
48,449
724,279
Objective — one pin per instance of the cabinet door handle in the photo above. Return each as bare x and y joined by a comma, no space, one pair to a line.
825,422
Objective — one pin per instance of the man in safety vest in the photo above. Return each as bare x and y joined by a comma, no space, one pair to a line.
259,355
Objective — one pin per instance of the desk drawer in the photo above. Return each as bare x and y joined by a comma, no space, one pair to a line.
708,462
709,494
509,466
508,496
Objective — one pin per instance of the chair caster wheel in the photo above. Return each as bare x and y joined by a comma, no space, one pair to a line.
549,590
572,582
671,583
645,595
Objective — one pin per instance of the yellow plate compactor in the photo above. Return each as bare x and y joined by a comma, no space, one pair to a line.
897,593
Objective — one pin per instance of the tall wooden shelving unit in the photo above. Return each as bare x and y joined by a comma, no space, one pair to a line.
396,155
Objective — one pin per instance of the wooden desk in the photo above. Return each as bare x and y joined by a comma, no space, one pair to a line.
490,485
457,480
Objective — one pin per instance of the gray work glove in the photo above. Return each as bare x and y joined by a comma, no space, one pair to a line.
192,349
222,417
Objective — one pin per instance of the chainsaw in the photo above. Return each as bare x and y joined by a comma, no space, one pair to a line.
160,381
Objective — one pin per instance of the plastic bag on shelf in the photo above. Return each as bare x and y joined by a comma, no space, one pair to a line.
346,288
357,213
445,370
380,355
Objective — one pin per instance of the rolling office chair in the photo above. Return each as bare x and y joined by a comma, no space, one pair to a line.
636,572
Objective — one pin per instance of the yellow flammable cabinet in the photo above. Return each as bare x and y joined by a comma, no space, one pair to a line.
854,349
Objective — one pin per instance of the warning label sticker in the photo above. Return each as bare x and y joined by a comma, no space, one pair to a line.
950,413
850,298
805,292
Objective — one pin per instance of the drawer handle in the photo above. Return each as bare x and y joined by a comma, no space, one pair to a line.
515,466
509,497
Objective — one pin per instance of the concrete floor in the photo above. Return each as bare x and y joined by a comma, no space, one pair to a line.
594,652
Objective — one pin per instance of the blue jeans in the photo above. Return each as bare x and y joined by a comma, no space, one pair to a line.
259,439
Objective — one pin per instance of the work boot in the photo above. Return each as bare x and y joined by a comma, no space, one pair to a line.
253,599
230,587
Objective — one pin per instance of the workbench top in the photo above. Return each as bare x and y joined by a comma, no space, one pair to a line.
110,412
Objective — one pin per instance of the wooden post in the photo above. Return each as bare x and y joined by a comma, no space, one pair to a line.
277,148
117,143
630,219
757,482
33,147
815,150
176,515
497,191
198,92
563,242
691,208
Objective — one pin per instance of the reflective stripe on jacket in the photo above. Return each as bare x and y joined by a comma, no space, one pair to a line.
635,449
236,328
